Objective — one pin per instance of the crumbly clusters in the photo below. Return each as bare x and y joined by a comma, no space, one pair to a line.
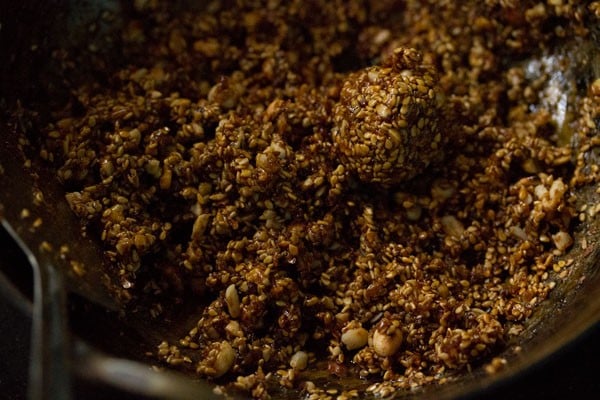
288,164
387,120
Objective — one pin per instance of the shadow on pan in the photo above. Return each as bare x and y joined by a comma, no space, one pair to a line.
28,30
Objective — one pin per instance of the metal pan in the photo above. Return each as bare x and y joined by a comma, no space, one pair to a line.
28,30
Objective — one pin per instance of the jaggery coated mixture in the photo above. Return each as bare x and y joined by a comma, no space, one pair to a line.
384,188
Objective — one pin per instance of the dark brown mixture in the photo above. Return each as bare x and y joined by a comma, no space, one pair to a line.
382,186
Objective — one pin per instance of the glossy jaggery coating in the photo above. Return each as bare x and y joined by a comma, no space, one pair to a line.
387,127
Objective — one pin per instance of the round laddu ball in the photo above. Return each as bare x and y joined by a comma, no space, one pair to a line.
386,127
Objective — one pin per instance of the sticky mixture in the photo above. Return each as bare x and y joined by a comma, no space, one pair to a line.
378,189
386,123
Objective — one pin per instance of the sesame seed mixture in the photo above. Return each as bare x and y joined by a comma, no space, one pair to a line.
380,189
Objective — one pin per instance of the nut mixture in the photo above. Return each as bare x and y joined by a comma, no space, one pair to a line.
383,189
